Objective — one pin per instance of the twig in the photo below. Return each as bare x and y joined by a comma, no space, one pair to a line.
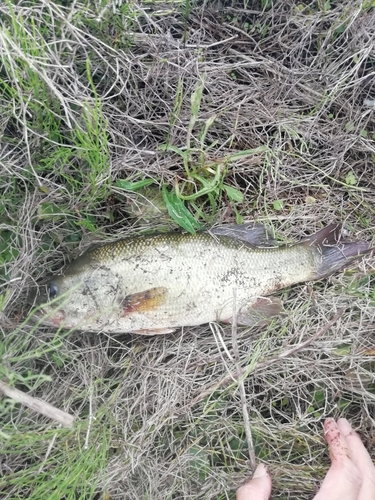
37,405
215,329
241,387
50,446
91,418
265,364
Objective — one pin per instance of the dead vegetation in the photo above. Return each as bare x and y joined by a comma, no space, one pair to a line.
89,94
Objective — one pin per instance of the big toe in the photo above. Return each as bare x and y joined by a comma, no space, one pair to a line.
258,488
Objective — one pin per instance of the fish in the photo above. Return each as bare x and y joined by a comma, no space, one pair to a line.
155,284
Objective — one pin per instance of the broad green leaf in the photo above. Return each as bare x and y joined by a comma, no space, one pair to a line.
351,179
239,217
199,462
207,125
310,200
278,204
43,189
75,236
179,212
233,193
343,350
196,98
195,101
349,126
319,396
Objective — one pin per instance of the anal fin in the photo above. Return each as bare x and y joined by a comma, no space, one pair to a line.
260,312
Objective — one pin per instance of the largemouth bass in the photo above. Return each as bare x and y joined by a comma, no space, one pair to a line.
155,284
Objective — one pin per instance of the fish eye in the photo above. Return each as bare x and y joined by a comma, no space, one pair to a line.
52,290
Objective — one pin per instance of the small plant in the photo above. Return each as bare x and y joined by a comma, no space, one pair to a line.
204,180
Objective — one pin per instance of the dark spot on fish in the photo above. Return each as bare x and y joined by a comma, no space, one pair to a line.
277,281
228,275
251,282
90,292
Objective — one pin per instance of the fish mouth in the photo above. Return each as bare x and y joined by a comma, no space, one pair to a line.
40,317
48,318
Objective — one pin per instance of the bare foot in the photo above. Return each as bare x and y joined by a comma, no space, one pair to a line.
350,477
352,473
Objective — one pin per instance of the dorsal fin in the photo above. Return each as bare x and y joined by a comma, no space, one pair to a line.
253,233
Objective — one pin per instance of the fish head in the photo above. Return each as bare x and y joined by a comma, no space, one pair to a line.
54,300
79,300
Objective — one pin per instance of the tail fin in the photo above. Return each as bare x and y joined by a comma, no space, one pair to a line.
335,252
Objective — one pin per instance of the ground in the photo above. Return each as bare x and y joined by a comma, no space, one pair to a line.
120,118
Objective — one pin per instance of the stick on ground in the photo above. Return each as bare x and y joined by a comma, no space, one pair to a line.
241,387
37,405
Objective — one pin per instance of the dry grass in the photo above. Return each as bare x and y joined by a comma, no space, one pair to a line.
88,94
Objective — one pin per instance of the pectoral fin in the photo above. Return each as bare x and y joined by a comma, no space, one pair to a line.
260,312
144,301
